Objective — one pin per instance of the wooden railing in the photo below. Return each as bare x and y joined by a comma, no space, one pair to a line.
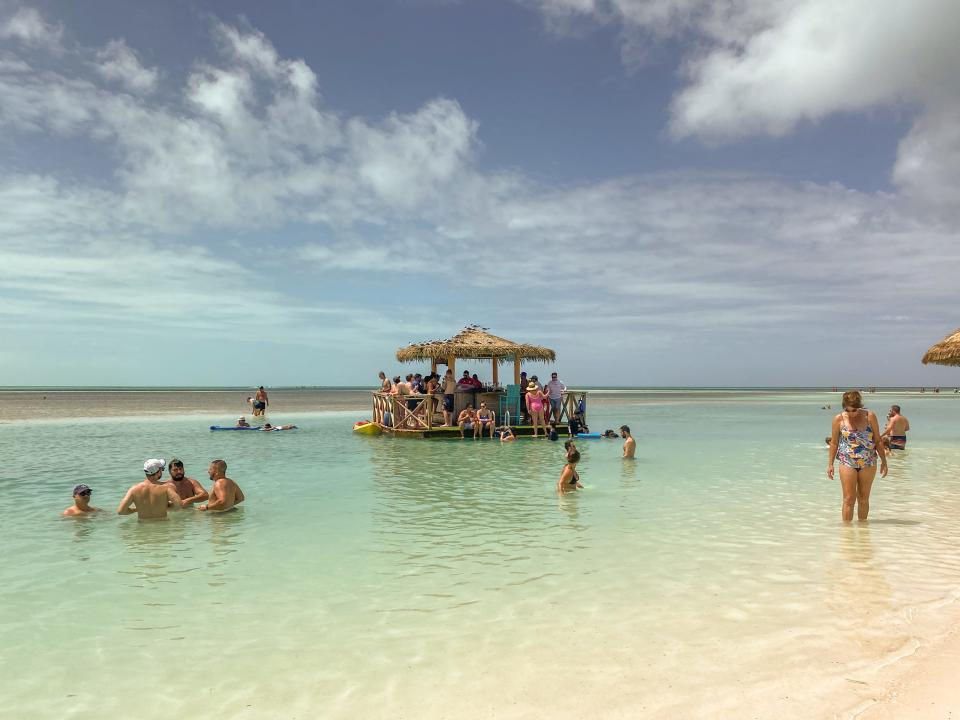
394,411
425,411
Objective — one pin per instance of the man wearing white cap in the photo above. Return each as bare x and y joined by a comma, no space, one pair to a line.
150,498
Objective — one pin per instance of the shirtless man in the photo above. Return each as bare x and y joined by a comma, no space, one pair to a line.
150,499
260,402
629,444
81,502
467,417
225,493
895,434
267,427
449,386
189,490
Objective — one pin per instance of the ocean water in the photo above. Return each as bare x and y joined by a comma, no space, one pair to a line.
373,577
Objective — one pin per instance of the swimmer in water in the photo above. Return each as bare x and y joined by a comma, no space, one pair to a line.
150,498
225,493
81,502
569,478
629,444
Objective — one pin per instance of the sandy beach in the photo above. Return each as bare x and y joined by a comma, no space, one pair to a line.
927,687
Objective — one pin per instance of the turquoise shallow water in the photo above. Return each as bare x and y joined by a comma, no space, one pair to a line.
374,577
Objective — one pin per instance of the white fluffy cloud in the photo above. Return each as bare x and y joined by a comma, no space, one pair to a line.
246,144
116,61
762,67
28,26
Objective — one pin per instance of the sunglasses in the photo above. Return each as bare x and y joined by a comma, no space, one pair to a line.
85,493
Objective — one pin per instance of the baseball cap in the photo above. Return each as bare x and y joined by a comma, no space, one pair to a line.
154,465
82,489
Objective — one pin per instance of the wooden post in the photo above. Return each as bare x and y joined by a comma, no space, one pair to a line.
496,379
516,370
433,365
452,365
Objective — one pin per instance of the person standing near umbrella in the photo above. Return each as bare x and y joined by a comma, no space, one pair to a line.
855,442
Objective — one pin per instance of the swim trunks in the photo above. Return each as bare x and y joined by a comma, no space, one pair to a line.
898,442
257,405
448,403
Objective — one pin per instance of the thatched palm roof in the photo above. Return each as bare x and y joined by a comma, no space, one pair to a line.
474,343
945,352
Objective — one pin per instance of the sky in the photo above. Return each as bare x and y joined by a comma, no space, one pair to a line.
665,192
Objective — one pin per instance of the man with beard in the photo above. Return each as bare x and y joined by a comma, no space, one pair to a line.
189,490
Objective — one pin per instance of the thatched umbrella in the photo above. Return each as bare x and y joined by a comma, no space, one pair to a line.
945,352
475,342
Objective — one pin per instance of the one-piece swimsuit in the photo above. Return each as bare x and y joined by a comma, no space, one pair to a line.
857,448
536,403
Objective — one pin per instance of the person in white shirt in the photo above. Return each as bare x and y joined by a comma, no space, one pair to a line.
555,390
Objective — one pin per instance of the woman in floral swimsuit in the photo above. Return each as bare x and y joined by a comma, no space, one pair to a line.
855,442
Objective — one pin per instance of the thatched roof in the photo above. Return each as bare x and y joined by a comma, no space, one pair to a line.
945,352
474,343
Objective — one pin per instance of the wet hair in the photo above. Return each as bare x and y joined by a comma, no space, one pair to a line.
396,379
624,428
567,444
574,457
895,408
852,398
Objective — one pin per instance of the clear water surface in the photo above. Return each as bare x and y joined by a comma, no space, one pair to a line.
382,578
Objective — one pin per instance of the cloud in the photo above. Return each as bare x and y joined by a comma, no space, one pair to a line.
244,147
765,67
116,61
28,26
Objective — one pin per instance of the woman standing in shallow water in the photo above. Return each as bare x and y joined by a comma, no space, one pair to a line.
569,478
855,442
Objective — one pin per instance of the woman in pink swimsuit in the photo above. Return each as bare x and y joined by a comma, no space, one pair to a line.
535,402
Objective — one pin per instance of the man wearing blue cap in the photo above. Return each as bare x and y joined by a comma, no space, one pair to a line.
150,498
81,502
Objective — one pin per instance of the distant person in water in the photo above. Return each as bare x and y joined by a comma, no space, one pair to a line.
855,442
81,502
150,498
506,434
629,444
552,431
224,493
895,433
242,422
189,490
570,448
260,402
569,478
268,427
